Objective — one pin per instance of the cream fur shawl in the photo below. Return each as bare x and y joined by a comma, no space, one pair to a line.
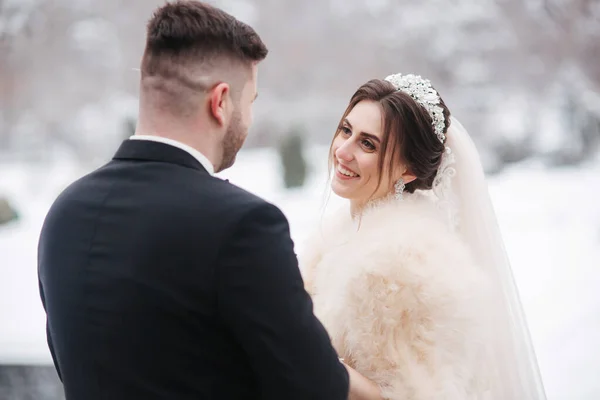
402,300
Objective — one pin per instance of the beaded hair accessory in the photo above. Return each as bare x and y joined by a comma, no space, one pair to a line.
421,91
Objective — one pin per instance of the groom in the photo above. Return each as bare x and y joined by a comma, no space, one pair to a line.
161,281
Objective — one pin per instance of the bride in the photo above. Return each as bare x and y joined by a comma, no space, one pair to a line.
411,281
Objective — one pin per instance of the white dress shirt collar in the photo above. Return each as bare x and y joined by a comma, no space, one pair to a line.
193,152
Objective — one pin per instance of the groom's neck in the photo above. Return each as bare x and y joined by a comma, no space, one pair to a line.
196,137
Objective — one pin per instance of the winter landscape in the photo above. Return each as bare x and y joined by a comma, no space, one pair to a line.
550,221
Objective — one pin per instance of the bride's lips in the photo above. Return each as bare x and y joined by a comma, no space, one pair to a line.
341,176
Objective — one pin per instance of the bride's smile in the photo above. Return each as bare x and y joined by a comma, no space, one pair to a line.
345,173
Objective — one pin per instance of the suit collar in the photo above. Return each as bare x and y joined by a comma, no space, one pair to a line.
195,153
146,150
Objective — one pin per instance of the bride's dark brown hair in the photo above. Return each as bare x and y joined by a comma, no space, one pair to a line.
408,135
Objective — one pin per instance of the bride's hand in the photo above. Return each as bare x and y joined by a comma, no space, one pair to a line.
361,388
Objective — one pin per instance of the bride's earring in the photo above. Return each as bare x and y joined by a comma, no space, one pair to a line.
399,189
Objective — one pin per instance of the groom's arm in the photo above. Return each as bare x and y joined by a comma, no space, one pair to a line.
262,300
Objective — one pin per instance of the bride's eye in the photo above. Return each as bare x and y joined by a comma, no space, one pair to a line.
368,144
345,130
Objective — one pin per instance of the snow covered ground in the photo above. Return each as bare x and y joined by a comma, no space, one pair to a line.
550,220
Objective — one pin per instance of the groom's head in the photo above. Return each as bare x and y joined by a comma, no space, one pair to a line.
198,78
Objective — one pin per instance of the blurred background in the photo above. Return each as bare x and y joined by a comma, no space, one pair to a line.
523,76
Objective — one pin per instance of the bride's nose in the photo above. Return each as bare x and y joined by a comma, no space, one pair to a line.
344,152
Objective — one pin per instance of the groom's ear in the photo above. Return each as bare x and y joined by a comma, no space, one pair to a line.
220,103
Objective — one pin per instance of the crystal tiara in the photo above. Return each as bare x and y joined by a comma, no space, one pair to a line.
424,94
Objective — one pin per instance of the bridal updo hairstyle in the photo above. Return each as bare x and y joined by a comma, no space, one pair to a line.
408,134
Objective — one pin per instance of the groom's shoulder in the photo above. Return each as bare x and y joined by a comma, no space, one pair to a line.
240,202
230,194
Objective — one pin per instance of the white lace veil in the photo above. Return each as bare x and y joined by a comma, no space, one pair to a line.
463,193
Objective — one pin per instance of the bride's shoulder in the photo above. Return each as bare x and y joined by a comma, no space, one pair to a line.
330,226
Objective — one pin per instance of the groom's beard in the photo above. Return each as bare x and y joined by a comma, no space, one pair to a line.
232,142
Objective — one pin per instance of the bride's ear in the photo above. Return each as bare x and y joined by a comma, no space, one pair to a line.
408,177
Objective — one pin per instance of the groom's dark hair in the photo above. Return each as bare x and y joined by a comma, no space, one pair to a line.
186,40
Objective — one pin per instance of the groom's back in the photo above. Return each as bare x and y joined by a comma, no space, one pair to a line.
127,262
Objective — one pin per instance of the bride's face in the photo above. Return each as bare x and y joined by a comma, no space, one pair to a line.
356,151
